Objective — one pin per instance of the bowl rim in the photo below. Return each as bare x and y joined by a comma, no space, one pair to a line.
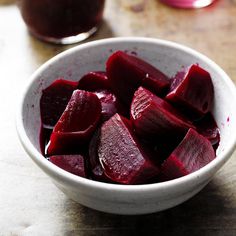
71,179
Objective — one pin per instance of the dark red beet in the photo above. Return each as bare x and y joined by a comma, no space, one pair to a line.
192,91
72,163
209,129
121,155
193,153
93,81
127,72
54,100
110,104
98,83
164,146
153,117
76,125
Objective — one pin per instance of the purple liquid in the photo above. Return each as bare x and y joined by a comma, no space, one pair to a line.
61,18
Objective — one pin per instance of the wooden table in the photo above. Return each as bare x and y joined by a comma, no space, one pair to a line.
31,205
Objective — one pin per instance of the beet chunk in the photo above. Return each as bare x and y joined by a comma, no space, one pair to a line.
93,81
192,91
110,104
193,153
153,117
54,100
76,124
208,128
72,163
164,146
97,82
121,155
127,72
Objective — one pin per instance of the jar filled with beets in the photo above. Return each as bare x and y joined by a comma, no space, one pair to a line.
62,21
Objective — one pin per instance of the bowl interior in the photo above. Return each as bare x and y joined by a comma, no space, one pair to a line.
168,57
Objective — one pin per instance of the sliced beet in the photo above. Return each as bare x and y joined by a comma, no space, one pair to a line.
164,146
153,117
121,155
193,153
93,81
97,82
192,91
208,128
74,164
110,104
127,72
54,100
76,125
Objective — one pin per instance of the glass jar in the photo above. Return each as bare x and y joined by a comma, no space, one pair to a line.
62,21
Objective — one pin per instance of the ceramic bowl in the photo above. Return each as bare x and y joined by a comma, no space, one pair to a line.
120,199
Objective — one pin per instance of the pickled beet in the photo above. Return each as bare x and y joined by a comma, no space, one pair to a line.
110,104
97,82
152,116
164,146
74,164
93,81
121,154
76,125
193,153
127,72
208,128
54,100
192,91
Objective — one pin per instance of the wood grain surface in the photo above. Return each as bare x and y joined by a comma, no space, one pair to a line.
31,205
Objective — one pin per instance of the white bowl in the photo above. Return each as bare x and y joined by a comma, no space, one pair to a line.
120,199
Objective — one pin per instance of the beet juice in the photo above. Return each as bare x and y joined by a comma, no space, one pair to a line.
62,21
